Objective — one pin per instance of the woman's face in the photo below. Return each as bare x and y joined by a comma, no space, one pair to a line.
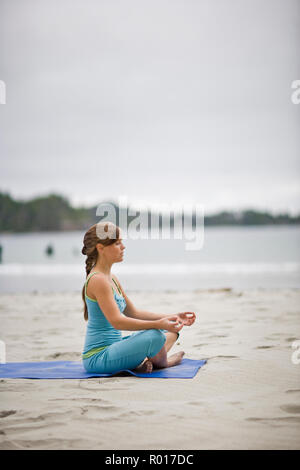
115,252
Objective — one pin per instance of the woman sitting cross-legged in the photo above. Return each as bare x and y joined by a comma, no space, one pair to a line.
108,311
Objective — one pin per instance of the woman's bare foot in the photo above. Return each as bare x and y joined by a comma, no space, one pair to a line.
145,367
175,359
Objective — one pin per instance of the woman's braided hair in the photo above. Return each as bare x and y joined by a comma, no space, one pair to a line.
94,235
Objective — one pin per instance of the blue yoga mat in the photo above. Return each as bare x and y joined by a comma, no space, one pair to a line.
187,369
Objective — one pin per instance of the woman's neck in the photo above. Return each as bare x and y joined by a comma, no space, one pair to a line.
103,268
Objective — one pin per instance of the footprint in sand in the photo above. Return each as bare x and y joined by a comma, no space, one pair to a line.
41,444
217,336
274,421
68,356
84,399
41,422
290,408
104,385
101,410
132,413
3,414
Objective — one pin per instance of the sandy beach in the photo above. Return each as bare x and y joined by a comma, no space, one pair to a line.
246,396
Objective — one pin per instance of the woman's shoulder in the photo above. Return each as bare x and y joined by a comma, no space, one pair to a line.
98,280
99,287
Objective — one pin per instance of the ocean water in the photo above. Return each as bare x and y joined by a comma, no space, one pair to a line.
231,257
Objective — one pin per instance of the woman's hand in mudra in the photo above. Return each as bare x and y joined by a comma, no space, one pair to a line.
187,318
171,323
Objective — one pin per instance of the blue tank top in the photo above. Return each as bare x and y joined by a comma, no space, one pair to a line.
99,332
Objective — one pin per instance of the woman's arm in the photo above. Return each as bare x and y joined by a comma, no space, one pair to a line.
187,318
101,289
143,314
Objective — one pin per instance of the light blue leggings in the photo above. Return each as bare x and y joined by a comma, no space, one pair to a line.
127,353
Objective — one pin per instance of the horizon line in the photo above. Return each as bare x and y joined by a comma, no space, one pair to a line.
162,207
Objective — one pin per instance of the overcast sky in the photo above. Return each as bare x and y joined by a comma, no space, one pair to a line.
161,101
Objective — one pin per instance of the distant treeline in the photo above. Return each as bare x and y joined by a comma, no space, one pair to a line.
54,213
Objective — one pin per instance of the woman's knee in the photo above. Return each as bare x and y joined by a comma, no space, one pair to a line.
157,341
